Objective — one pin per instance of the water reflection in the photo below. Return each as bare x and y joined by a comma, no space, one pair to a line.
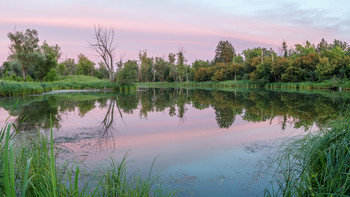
211,142
302,109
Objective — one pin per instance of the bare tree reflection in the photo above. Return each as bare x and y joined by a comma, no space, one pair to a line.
108,124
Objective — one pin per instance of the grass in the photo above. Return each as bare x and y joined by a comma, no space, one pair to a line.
329,84
317,164
200,84
72,82
29,168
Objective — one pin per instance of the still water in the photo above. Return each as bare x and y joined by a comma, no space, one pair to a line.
206,142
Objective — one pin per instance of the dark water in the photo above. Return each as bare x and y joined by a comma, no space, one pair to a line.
208,142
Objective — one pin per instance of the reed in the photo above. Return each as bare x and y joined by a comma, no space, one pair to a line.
317,164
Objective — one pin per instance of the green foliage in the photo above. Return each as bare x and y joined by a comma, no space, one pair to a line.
11,68
101,72
305,63
71,67
161,69
278,68
262,74
222,72
146,67
51,75
85,66
62,69
128,74
24,47
29,79
203,74
46,60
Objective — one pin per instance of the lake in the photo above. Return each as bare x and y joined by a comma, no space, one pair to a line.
205,142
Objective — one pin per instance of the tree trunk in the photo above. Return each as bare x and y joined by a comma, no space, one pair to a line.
235,75
24,72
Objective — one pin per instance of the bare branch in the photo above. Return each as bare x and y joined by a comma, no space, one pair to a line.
104,46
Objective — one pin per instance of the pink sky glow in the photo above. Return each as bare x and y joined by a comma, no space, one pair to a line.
164,27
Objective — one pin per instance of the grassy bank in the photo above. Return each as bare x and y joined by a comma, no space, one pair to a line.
316,165
329,84
29,168
73,82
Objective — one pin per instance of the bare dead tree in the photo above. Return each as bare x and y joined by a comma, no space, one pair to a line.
104,45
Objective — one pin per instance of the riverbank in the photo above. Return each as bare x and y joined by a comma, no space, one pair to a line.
73,82
329,84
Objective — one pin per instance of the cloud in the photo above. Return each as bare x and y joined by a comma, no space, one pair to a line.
160,26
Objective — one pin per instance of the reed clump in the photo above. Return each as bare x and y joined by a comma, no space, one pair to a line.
317,164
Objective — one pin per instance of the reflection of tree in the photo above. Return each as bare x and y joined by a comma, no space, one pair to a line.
303,110
107,122
127,102
224,117
123,103
85,106
37,115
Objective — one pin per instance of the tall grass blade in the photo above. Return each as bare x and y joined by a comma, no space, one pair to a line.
52,163
6,163
76,181
12,171
25,179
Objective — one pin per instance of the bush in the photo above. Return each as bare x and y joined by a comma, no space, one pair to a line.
51,75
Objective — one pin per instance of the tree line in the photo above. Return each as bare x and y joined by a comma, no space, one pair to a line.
29,61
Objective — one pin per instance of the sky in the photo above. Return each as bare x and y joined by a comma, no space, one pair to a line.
163,27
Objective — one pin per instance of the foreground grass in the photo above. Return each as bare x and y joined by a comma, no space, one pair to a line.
72,82
329,84
316,165
29,169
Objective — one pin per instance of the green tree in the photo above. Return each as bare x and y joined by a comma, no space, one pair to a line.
48,60
203,74
222,72
180,66
262,74
146,67
51,75
85,66
224,52
24,48
172,68
323,45
101,72
128,74
11,68
161,68
62,69
284,49
279,67
195,67
237,64
70,65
